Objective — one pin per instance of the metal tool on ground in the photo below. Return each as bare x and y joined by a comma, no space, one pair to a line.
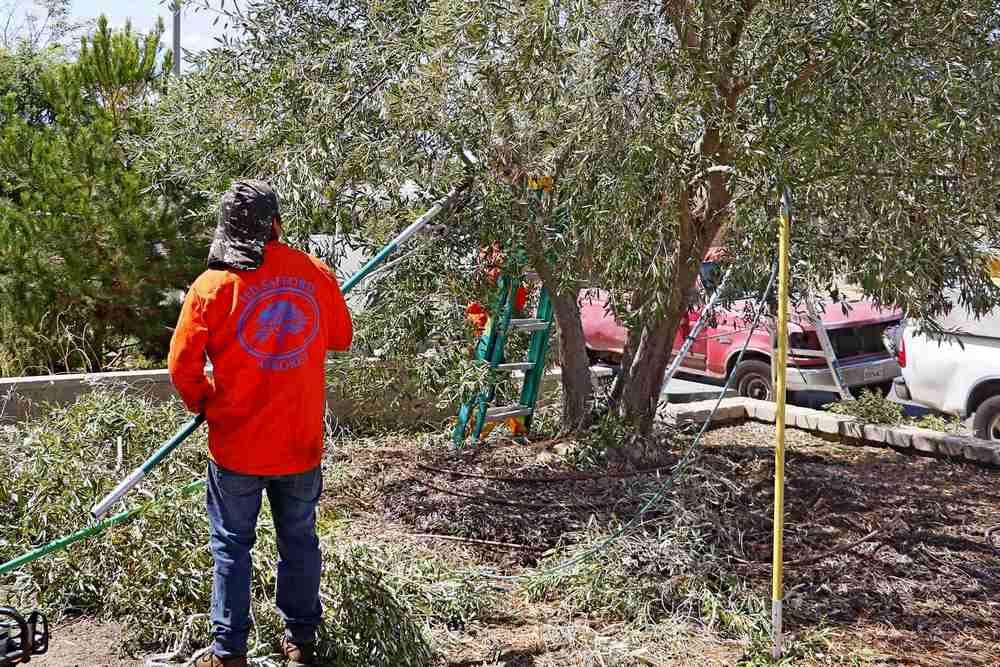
93,529
190,427
22,638
474,416
706,316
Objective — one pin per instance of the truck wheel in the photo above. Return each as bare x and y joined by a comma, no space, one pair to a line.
752,379
987,420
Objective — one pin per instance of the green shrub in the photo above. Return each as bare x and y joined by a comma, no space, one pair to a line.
91,245
871,408
938,423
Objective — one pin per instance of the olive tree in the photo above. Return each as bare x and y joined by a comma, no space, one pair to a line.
617,141
651,119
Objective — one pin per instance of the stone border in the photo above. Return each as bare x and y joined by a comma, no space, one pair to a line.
919,441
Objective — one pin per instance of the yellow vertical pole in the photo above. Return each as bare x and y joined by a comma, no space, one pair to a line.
781,364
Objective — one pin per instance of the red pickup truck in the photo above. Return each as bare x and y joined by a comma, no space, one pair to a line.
857,339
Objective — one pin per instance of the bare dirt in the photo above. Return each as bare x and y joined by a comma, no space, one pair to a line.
84,643
887,560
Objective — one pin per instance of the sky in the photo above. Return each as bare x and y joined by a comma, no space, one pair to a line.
197,31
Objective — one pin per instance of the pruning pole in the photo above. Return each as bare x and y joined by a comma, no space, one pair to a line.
418,224
136,475
126,485
777,574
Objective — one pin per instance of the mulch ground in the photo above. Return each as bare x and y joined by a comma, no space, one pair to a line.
887,551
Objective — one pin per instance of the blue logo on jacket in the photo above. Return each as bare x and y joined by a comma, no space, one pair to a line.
278,324
278,319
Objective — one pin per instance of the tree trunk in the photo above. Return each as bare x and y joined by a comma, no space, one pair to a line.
573,361
641,389
702,214
650,346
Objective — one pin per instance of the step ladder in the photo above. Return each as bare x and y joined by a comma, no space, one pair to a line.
480,411
826,352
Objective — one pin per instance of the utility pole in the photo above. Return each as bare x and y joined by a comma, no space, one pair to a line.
177,37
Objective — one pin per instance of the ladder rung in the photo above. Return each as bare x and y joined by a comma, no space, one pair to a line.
503,412
516,366
529,324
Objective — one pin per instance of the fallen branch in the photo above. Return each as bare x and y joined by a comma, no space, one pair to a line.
540,444
834,552
493,500
469,540
543,480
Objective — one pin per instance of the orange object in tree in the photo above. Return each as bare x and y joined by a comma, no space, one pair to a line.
475,312
266,332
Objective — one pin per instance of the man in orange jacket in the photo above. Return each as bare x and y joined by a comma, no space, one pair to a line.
265,315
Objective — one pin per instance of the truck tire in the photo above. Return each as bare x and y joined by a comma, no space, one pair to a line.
987,419
752,379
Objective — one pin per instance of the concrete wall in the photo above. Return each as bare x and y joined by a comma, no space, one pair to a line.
23,397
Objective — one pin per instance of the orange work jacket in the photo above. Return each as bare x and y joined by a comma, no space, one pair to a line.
266,333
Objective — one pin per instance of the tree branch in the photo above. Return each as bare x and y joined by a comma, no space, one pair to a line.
679,13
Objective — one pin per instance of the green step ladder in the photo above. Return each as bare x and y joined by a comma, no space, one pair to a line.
478,412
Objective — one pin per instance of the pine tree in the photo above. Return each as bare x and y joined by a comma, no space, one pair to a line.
90,246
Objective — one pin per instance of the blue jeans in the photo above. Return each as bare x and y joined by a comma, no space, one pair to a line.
233,503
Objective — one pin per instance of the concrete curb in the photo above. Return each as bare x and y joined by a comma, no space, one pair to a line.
920,441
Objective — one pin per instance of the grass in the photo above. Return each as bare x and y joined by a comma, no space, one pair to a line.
153,575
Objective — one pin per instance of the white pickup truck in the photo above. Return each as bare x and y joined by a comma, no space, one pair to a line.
957,374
